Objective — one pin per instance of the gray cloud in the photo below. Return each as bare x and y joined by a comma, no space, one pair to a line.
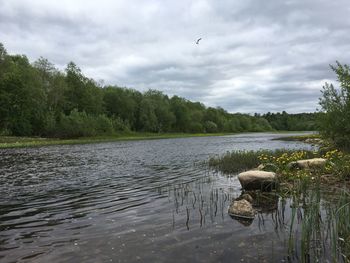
255,56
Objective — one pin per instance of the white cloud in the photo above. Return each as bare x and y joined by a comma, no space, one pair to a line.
254,56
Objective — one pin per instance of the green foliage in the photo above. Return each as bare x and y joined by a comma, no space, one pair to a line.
39,100
210,127
80,124
122,103
119,125
292,122
22,98
340,226
338,164
335,103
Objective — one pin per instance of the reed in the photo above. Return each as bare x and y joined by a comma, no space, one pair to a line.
340,227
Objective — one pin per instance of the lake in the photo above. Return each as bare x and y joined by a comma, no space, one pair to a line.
133,201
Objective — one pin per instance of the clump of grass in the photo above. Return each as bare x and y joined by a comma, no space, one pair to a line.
238,161
318,228
306,212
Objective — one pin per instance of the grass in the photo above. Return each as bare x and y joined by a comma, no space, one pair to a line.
341,227
22,142
322,228
238,161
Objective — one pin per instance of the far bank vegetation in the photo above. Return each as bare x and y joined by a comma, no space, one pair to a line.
37,99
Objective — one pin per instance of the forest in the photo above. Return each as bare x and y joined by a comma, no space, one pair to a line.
37,99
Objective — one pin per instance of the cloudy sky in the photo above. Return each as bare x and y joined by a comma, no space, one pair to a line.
255,55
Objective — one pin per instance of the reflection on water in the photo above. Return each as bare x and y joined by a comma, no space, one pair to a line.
150,201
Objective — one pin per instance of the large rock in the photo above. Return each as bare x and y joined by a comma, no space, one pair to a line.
308,163
257,180
241,209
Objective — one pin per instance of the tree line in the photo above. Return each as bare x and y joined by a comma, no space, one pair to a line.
37,99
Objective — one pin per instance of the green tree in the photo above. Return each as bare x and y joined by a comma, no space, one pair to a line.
161,105
23,102
82,93
120,103
182,114
335,103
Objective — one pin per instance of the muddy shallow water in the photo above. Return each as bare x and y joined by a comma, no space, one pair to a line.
137,201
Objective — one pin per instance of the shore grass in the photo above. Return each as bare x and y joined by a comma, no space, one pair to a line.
22,142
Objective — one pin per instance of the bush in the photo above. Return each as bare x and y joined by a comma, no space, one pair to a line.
210,127
120,125
79,124
103,125
196,127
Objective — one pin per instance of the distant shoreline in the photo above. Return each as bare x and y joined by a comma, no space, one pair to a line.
7,142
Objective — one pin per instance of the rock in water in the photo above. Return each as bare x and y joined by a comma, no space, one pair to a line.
257,180
241,209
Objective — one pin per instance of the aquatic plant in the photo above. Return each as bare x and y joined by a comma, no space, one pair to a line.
235,161
340,227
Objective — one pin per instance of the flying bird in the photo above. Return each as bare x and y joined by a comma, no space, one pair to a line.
199,39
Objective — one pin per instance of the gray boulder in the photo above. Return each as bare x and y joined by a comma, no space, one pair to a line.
257,180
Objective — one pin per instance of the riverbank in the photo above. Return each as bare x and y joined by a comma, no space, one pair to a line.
316,184
22,142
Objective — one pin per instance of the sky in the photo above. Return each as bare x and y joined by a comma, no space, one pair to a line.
254,56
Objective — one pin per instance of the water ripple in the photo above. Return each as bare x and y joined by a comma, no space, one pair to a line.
60,203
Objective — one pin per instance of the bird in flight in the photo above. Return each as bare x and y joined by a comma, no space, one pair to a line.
199,39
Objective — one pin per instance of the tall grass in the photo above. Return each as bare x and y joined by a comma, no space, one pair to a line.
318,228
340,228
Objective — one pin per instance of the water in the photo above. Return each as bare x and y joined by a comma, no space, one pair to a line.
136,201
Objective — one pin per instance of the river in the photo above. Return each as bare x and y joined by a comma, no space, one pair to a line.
132,201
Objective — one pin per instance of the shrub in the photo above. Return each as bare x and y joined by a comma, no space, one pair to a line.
120,125
80,124
210,127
